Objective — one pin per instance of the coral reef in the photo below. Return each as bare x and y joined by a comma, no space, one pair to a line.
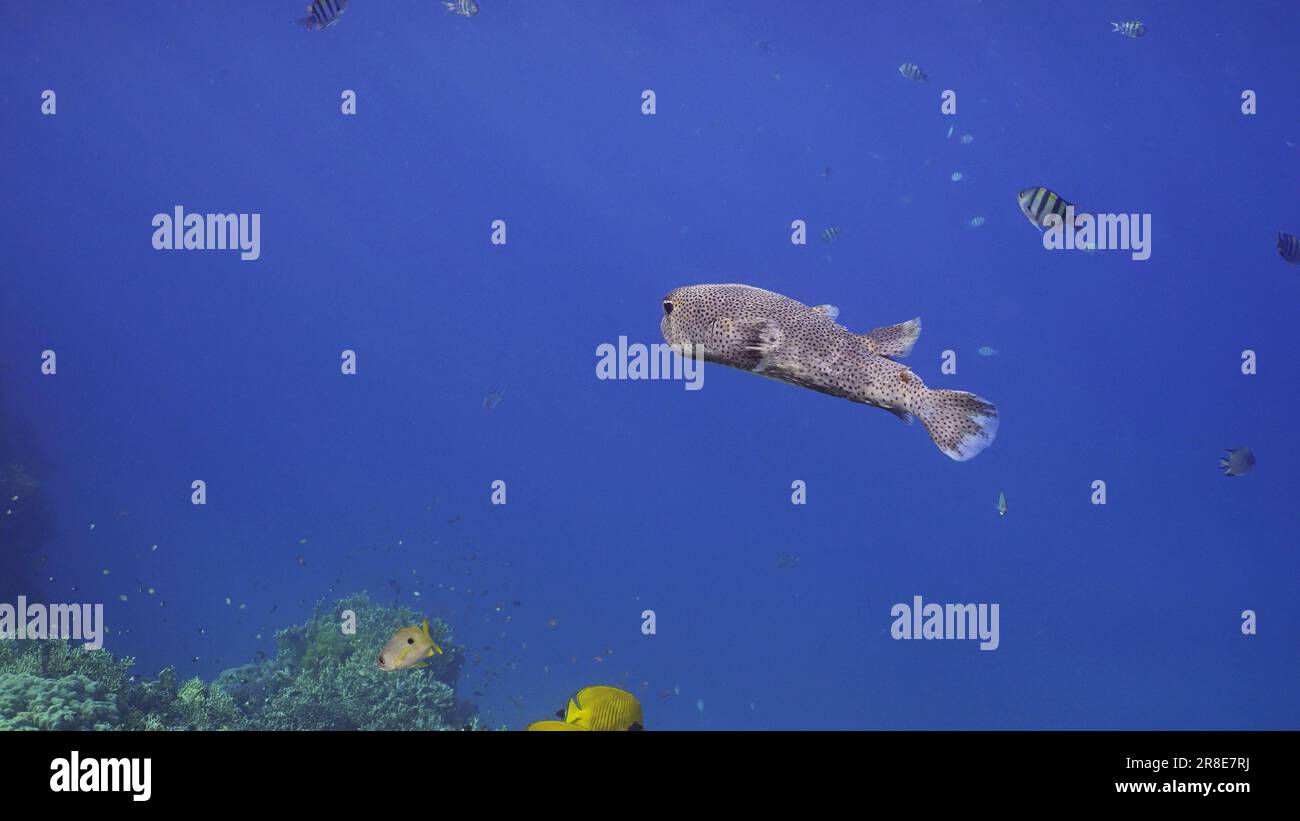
74,702
160,704
324,676
55,658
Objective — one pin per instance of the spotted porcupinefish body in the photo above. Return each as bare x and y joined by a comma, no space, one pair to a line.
774,336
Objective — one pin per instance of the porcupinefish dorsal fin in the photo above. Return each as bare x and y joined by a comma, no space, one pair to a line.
894,340
829,310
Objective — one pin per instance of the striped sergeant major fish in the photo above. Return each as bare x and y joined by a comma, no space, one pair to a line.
912,72
832,233
322,14
1289,247
1132,28
1038,203
465,8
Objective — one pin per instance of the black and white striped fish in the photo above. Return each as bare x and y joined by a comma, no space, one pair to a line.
832,233
913,72
465,8
1132,28
1289,247
322,14
1038,203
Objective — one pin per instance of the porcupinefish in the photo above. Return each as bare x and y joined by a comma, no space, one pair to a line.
774,336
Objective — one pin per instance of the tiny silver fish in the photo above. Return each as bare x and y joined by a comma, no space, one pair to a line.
913,72
1131,28
465,8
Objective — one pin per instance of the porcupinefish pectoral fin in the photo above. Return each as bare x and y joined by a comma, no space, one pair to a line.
764,340
903,416
762,336
894,340
829,310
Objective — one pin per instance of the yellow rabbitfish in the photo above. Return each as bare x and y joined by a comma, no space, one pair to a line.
408,648
552,725
597,708
604,708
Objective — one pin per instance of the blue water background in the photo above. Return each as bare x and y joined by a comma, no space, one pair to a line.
625,496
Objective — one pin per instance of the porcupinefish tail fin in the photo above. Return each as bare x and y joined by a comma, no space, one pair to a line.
894,340
961,424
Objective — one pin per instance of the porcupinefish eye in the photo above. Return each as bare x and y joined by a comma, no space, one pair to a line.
668,306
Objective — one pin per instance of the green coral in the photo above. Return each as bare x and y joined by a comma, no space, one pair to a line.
56,658
147,704
199,707
328,677
191,692
323,677
73,702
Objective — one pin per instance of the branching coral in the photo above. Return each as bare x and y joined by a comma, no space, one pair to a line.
324,677
56,658
336,684
199,707
74,702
